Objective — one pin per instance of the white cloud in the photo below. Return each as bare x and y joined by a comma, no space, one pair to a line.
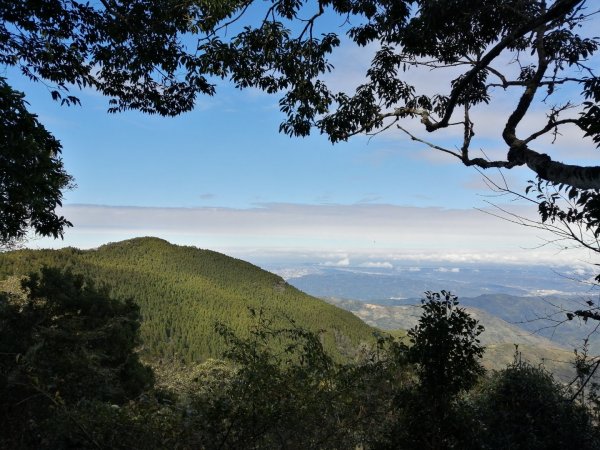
369,233
445,269
291,273
344,262
377,265
579,271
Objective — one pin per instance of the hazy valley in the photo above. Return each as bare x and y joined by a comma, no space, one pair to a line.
529,301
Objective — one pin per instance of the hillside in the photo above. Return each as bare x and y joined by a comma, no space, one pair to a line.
499,337
544,316
184,291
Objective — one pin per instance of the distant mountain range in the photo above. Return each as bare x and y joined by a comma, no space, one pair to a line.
500,338
465,280
534,299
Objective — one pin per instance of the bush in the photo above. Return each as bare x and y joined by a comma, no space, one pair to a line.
523,407
63,341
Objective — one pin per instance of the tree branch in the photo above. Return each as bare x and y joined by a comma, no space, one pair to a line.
554,171
509,133
549,126
429,144
559,9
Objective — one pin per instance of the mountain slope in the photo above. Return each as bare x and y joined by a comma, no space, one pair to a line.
499,337
545,316
183,291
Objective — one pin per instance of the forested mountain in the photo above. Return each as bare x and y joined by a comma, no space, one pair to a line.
70,375
183,292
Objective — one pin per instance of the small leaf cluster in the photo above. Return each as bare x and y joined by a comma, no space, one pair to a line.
567,204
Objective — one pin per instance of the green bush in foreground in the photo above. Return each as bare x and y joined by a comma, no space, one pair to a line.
523,407
62,342
69,378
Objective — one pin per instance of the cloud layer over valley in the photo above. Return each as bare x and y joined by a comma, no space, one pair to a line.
372,235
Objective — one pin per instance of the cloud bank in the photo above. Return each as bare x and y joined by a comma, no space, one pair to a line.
379,235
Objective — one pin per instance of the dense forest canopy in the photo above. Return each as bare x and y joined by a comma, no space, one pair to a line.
183,292
71,377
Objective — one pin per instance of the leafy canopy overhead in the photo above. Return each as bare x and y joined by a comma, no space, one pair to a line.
468,42
158,56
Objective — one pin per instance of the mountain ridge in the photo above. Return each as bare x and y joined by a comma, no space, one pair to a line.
183,292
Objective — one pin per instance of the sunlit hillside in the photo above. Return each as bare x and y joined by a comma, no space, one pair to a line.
183,292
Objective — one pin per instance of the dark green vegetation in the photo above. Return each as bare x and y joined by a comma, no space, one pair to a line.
32,175
182,292
69,378
63,341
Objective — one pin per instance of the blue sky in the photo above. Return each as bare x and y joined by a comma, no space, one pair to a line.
222,177
228,152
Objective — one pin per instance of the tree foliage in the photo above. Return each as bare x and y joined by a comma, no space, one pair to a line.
63,341
523,407
130,50
446,347
69,379
294,398
157,56
32,175
446,354
289,51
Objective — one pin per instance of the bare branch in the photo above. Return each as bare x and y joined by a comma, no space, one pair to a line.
310,22
467,135
509,133
429,144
